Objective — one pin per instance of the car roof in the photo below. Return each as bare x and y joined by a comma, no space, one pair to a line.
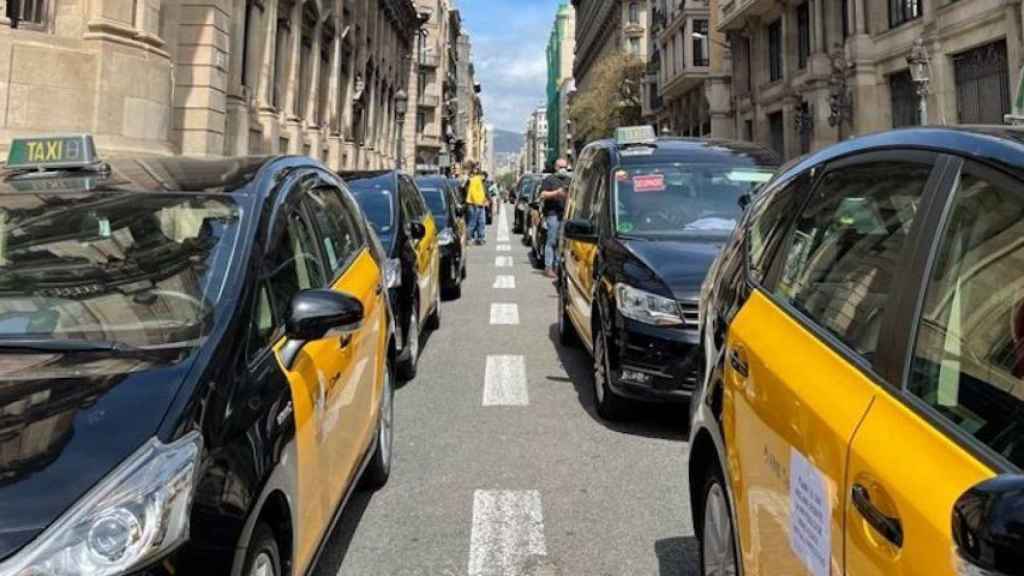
695,150
146,174
434,179
354,175
1000,145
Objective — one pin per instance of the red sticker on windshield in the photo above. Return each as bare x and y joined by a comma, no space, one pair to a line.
649,183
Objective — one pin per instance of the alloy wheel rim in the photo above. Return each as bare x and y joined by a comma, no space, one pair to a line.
387,418
262,566
599,367
717,552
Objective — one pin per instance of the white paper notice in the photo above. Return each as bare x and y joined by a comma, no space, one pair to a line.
810,514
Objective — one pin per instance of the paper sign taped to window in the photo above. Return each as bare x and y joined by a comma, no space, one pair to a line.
810,514
649,183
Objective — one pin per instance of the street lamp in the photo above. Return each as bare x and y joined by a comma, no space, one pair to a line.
401,108
919,67
840,102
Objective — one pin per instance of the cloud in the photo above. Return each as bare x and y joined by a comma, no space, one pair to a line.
509,53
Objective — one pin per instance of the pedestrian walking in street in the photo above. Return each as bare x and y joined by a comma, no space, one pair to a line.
476,200
553,194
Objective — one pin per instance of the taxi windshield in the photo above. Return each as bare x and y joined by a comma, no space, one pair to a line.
144,270
682,199
436,202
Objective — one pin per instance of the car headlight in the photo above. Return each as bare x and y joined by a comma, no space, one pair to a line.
135,515
393,273
648,308
446,237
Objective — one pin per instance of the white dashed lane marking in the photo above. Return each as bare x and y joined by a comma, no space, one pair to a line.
503,262
504,314
507,533
503,248
505,282
505,381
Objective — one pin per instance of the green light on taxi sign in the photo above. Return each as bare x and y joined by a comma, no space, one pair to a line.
51,152
635,135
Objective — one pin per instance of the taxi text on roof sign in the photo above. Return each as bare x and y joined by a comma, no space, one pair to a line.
50,152
635,135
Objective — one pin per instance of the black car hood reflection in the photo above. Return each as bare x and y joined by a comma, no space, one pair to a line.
679,263
66,420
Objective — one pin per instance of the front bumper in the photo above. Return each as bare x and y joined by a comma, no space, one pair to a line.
654,363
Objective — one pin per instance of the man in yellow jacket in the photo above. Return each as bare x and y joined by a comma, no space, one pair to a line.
476,199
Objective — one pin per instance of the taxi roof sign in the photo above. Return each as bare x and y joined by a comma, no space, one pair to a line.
635,135
52,152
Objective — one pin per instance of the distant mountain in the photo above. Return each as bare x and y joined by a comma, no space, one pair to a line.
508,142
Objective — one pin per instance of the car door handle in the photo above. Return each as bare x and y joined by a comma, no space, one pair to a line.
379,288
344,341
890,528
738,363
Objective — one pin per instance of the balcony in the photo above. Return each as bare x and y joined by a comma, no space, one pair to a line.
424,140
685,80
430,59
428,100
733,14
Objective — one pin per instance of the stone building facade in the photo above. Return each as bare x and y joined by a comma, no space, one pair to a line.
469,114
560,53
213,77
808,74
436,144
607,27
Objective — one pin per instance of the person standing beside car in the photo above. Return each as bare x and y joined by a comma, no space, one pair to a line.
553,193
476,199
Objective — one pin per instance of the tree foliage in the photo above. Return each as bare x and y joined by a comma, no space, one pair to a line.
507,180
612,99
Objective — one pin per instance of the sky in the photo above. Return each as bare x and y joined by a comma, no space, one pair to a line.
509,41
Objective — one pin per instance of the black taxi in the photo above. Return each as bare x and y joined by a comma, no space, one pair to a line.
196,362
644,221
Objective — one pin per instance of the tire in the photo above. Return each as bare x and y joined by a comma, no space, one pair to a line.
717,543
610,406
379,469
566,330
434,320
411,350
263,557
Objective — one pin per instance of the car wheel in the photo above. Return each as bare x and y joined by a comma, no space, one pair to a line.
566,331
263,557
718,537
411,351
379,469
434,320
610,406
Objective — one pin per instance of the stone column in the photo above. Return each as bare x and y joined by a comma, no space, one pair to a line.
292,122
313,116
201,77
335,137
237,121
267,113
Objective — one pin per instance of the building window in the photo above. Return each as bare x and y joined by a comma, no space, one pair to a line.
421,121
634,46
309,19
30,12
803,32
282,43
747,81
675,56
777,133
634,12
901,11
700,42
748,130
775,51
903,100
806,129
982,84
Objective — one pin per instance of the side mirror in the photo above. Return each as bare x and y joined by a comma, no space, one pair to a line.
988,527
314,313
744,201
417,230
581,230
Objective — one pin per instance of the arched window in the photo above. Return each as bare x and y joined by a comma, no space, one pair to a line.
634,12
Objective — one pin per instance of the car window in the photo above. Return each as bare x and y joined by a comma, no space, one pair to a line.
579,190
339,229
292,266
968,360
771,214
844,250
599,169
416,201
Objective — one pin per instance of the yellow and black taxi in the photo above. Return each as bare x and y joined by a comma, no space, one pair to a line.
449,216
534,217
409,234
864,413
645,219
521,198
196,362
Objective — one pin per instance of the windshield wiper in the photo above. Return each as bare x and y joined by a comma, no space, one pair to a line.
51,345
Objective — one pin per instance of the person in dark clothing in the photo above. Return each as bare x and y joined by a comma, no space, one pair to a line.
554,191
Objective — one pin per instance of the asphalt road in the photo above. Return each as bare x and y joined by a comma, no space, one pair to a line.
502,466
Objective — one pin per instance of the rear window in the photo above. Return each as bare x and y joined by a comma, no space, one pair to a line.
436,202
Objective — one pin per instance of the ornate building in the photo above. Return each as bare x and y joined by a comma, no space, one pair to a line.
213,77
605,27
437,149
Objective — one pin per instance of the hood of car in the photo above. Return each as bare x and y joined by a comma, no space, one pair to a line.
66,421
679,264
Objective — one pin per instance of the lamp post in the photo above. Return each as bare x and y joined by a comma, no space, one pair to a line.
840,102
401,108
919,66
